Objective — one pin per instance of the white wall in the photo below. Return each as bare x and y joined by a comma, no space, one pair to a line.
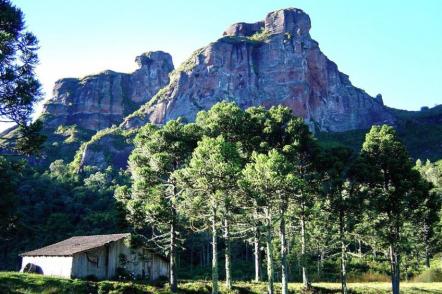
51,265
80,266
83,267
139,261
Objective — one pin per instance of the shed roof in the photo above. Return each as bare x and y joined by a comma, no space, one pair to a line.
75,245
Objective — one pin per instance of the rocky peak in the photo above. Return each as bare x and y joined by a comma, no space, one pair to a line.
101,100
159,58
243,29
379,99
291,20
271,62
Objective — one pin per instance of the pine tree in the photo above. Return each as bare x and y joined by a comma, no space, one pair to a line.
155,195
19,88
391,185
210,182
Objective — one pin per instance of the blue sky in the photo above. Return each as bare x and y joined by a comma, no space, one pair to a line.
389,47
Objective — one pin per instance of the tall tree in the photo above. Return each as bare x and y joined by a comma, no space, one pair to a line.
431,187
19,88
267,176
228,120
10,175
155,195
341,200
209,180
303,153
391,184
278,129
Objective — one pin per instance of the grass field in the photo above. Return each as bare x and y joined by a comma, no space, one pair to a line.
11,282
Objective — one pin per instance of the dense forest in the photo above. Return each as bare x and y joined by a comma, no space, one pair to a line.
237,195
250,194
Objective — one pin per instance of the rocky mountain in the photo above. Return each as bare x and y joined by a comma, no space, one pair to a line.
81,107
270,62
99,101
274,61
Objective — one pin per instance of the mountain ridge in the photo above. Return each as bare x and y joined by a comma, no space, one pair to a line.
269,62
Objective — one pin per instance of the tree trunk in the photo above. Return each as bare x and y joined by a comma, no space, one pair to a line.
427,256
269,252
228,255
208,253
305,281
395,270
344,289
172,263
284,266
427,245
318,265
214,254
256,253
191,258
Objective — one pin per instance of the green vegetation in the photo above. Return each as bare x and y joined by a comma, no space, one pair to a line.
238,40
419,131
61,143
53,205
226,197
258,176
239,195
17,283
256,39
189,63
158,153
261,36
20,90
116,137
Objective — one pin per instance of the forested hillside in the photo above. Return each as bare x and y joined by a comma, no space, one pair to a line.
242,182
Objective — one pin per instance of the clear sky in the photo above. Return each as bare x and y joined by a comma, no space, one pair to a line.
390,47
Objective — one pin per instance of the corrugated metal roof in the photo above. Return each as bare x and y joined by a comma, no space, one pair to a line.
75,245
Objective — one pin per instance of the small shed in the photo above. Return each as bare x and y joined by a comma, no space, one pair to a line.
99,256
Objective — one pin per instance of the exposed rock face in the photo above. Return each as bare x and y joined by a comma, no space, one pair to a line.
270,62
99,101
110,147
244,29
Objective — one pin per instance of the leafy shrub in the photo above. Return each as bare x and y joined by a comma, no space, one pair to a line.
430,275
260,36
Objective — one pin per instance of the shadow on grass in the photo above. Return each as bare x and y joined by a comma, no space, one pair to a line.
18,283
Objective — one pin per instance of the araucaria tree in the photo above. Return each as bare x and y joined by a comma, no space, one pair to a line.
230,121
431,187
303,152
267,178
154,196
259,174
19,88
341,199
209,181
391,185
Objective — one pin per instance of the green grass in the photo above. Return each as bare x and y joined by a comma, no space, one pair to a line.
28,283
12,282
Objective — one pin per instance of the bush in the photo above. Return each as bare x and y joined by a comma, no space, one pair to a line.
430,275
368,277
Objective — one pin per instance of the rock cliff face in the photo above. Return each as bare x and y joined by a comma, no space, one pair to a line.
81,107
270,62
99,101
